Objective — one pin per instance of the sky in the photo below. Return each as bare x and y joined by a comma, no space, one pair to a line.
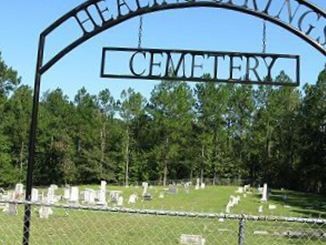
200,28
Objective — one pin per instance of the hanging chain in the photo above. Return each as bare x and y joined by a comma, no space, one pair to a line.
264,37
140,32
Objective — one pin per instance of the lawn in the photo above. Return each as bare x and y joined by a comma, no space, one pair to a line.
97,227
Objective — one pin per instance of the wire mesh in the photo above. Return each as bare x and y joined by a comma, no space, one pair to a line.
78,224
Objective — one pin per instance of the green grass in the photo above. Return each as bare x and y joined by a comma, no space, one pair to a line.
214,199
97,227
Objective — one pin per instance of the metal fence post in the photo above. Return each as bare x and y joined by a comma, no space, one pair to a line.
241,230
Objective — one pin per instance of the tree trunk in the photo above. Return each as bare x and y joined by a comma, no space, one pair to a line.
127,158
103,139
21,157
202,166
165,171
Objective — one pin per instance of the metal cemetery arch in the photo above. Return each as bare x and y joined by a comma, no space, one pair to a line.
97,16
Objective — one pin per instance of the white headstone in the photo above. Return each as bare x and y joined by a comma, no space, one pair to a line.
66,194
11,209
101,197
91,196
240,190
19,191
161,195
145,188
51,195
132,199
271,207
202,186
74,195
246,188
264,197
86,196
260,209
35,195
54,187
192,240
103,185
120,201
19,188
197,184
44,212
114,196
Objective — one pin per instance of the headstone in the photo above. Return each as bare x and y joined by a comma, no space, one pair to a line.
240,190
172,189
145,187
271,207
54,187
103,185
132,199
11,209
260,209
228,208
192,240
161,195
147,197
66,193
114,196
19,192
203,186
187,186
197,184
261,233
89,196
264,197
260,190
246,188
120,201
44,212
74,194
35,197
102,197
51,195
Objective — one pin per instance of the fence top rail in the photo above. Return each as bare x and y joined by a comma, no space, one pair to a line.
172,213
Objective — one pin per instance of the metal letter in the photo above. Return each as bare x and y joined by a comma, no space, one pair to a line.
131,64
311,27
170,64
102,11
120,4
216,56
269,66
82,22
232,67
254,3
194,65
267,6
291,16
152,64
252,69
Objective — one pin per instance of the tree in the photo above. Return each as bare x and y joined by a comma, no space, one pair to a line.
131,108
312,117
172,112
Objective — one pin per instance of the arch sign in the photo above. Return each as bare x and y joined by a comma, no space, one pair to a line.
300,17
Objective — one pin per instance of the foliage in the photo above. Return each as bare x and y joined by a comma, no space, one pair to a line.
261,134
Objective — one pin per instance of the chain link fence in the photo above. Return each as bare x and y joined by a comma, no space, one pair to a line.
78,224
